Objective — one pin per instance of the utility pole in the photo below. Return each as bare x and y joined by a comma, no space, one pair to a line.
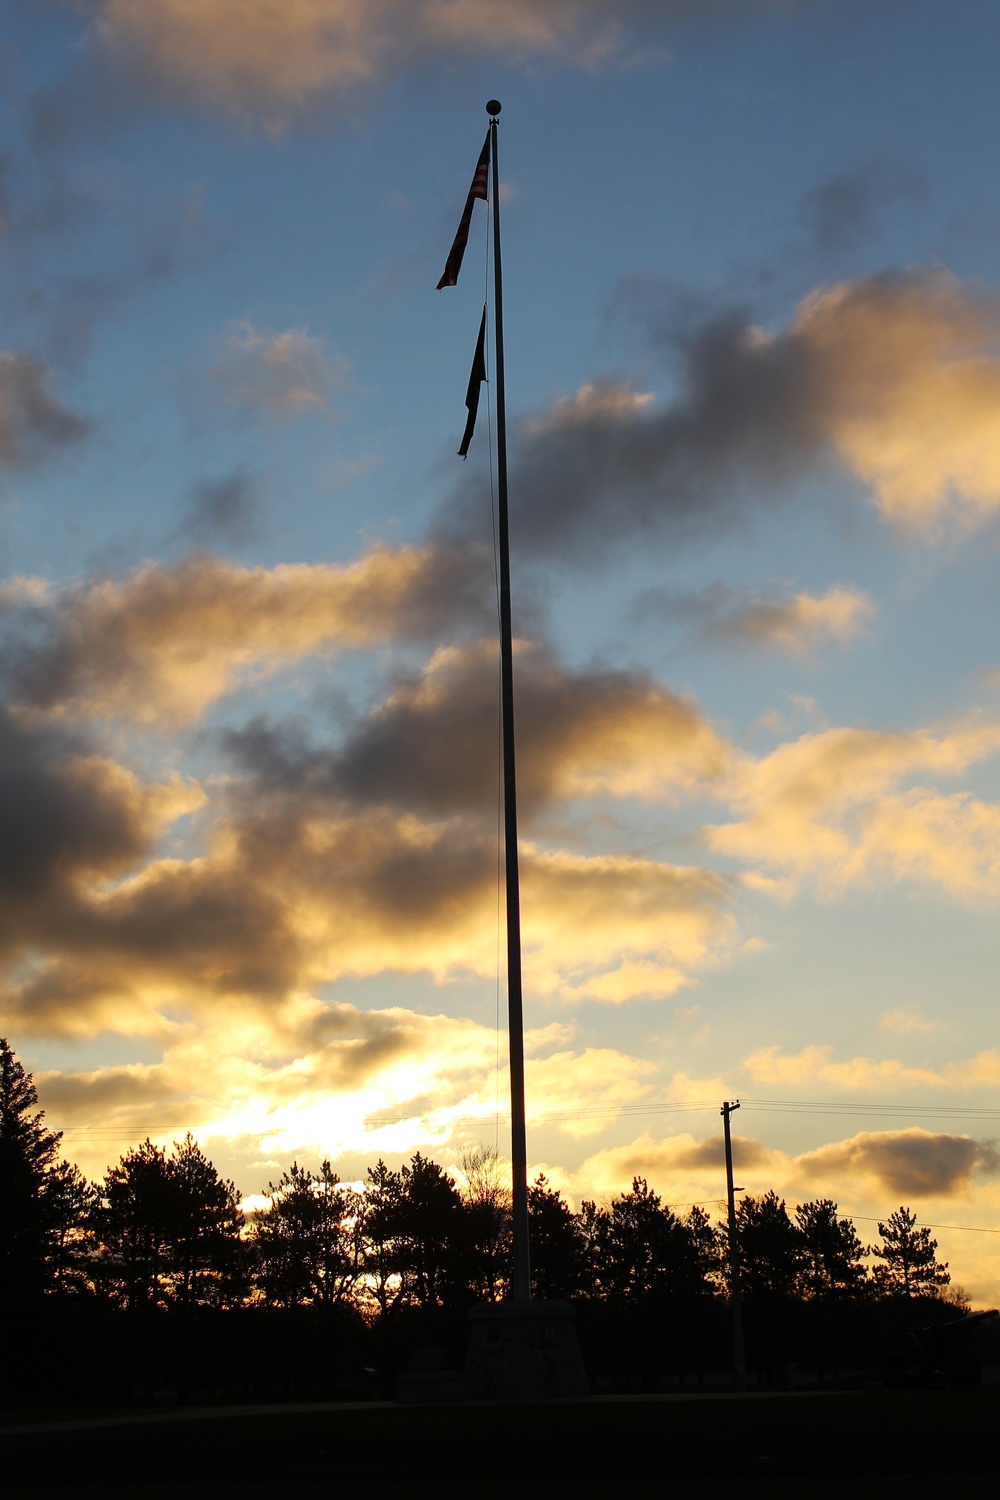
735,1299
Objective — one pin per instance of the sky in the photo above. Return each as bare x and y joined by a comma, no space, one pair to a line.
248,656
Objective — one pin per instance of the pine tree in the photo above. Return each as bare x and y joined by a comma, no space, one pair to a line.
207,1249
429,1226
27,1154
770,1247
169,1229
384,1260
136,1218
637,1250
832,1251
307,1242
910,1266
557,1250
69,1197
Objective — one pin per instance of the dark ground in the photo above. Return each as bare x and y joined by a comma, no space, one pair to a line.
864,1445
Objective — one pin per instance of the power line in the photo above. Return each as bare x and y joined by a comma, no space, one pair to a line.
695,1106
967,1228
846,1107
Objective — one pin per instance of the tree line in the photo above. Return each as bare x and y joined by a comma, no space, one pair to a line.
163,1236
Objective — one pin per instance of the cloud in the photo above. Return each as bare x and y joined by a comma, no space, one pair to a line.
338,1080
319,864
894,378
846,208
771,1067
271,61
72,824
67,813
580,1092
911,363
613,928
33,423
675,1166
432,746
871,1168
827,806
283,374
221,509
354,1082
165,642
289,896
906,1023
131,1093
905,1163
952,842
79,246
797,622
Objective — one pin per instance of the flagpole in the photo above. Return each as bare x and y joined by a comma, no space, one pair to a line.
521,1281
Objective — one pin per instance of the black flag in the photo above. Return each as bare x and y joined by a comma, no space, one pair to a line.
477,190
472,394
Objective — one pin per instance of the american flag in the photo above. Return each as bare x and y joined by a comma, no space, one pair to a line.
479,189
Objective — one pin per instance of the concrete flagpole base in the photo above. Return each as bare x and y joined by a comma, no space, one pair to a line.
524,1351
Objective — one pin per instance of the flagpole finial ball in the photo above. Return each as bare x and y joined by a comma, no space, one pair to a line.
493,107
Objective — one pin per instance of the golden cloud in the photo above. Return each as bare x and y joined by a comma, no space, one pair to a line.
772,1067
165,642
825,805
909,367
895,376
906,1022
273,58
336,1080
292,897
580,1092
874,1168
71,825
433,745
907,1163
682,1167
799,623
319,865
615,928
953,842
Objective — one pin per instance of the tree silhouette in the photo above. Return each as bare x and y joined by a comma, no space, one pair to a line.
206,1248
29,1184
167,1229
70,1198
910,1267
832,1253
416,1237
487,1211
308,1242
771,1249
557,1247
134,1219
702,1267
384,1266
639,1250
429,1230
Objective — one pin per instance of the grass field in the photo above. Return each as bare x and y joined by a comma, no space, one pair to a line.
883,1444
